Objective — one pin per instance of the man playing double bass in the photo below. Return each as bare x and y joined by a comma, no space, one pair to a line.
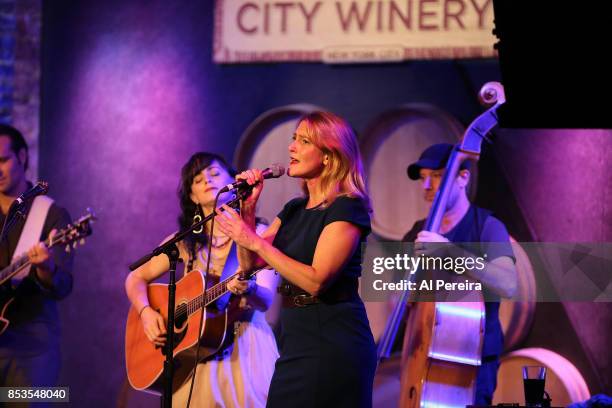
464,222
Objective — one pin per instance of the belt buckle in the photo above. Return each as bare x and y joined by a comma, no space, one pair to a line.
301,300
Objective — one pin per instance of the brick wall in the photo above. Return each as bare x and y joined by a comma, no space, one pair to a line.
20,25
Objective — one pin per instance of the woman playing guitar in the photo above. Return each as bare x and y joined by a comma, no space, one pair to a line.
239,373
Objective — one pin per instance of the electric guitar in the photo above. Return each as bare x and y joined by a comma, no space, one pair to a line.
73,235
145,361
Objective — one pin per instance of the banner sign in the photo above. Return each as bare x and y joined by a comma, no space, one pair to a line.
347,31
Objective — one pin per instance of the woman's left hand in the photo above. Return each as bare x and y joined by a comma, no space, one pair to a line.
237,286
242,288
233,226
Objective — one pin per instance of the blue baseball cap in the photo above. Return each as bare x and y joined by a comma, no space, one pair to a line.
434,158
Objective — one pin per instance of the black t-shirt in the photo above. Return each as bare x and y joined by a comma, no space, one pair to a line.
478,225
300,229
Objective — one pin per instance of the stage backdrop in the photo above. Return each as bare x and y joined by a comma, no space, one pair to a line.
130,91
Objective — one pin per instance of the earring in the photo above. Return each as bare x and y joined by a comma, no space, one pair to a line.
197,217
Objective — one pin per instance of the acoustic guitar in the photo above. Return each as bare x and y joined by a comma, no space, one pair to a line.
145,361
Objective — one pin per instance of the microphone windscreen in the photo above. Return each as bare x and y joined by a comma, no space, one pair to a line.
277,170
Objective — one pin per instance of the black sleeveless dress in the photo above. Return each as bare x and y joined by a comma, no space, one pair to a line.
327,352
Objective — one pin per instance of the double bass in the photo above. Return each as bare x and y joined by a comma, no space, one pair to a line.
443,343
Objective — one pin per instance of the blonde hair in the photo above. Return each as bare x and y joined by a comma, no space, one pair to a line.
343,174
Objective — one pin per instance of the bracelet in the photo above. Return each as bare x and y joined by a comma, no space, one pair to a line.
142,310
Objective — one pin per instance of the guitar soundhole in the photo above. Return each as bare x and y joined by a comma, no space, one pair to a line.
178,337
180,316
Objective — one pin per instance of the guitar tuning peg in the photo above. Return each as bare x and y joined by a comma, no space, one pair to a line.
67,248
82,241
75,244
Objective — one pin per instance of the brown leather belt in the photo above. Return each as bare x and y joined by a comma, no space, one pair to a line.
294,296
300,300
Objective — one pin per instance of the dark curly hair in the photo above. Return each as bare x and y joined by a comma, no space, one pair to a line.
194,166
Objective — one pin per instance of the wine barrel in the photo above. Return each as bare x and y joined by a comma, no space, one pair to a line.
390,143
516,316
564,383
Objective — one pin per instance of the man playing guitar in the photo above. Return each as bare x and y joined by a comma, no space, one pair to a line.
30,345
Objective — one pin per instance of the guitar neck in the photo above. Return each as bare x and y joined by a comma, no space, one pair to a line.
212,294
68,236
14,268
20,263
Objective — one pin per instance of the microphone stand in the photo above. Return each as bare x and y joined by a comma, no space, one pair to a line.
171,250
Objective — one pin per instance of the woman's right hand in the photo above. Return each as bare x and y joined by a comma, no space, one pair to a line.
253,177
154,326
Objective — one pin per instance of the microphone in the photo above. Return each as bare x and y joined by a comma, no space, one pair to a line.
274,171
39,189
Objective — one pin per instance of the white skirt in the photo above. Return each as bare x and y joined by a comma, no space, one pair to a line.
242,378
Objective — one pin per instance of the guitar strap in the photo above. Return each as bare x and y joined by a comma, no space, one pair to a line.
230,267
30,235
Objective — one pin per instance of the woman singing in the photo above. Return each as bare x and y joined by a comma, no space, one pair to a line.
240,375
327,353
